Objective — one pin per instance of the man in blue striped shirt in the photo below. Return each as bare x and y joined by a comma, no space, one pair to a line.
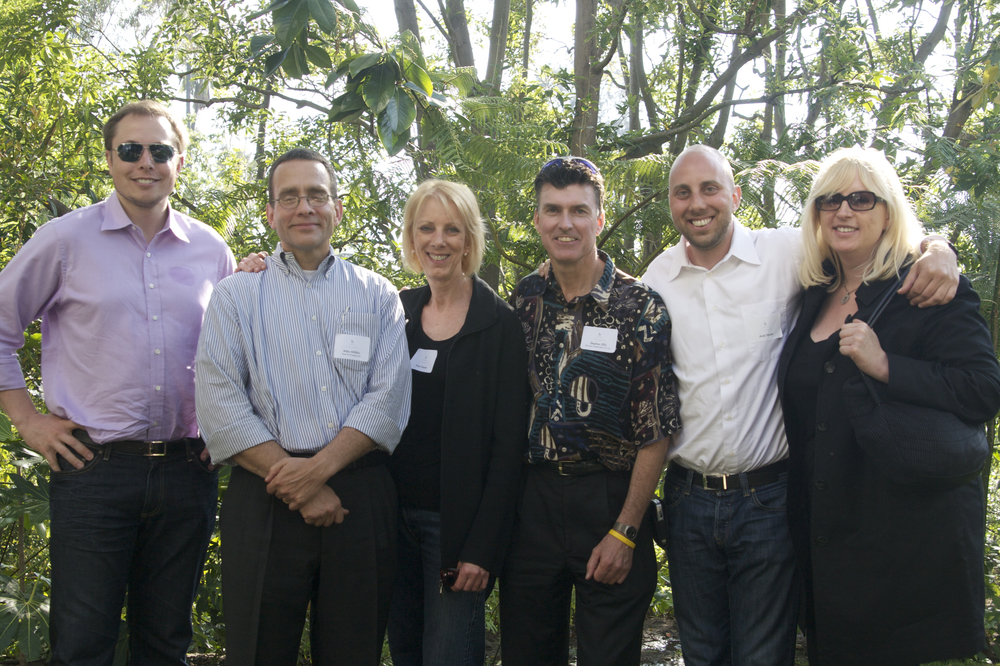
304,387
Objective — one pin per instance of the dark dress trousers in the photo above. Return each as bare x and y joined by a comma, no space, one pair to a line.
894,575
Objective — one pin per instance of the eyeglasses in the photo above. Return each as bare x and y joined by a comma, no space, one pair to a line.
560,161
131,152
859,201
291,202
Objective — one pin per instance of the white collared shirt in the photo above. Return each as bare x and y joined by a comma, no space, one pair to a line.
729,324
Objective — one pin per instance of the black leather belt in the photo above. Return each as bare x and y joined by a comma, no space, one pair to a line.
573,467
137,447
757,477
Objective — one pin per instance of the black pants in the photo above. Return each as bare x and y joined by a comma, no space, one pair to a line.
274,566
560,521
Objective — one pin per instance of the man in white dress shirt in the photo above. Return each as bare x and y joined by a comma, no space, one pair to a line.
733,295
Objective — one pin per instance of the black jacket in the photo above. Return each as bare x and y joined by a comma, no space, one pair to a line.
894,575
485,428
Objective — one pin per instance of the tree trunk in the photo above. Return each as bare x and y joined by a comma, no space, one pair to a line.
458,32
406,17
498,45
588,84
526,43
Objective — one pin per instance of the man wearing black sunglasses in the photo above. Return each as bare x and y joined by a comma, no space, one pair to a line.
733,294
121,287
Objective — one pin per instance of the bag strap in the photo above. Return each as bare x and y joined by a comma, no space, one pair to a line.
887,296
876,313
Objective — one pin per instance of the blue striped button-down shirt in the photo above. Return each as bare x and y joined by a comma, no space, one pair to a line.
268,365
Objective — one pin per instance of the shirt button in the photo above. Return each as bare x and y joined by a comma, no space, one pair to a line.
156,423
149,254
822,541
151,286
319,353
821,426
157,352
322,388
820,484
155,318
721,345
726,381
314,317
829,367
715,308
157,388
729,417
330,424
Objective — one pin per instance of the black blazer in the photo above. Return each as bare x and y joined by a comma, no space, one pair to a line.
484,435
893,575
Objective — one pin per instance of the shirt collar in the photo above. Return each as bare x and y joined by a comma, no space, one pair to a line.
601,291
742,247
116,218
287,263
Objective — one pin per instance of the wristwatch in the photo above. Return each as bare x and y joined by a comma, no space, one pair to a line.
627,531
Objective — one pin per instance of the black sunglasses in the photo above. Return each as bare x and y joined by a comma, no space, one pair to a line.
560,161
859,201
131,152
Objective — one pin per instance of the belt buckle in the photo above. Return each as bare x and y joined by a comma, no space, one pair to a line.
559,466
151,453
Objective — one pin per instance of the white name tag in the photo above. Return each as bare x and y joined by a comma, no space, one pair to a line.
354,347
423,360
603,340
763,327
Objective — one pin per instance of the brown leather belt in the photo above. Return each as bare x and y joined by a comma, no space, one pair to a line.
135,447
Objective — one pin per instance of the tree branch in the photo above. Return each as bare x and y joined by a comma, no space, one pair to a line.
617,24
627,214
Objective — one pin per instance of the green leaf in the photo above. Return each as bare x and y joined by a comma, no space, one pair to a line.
259,42
26,616
295,64
417,75
363,62
324,14
277,4
290,20
399,113
411,45
379,86
393,142
273,62
350,5
6,432
318,56
346,105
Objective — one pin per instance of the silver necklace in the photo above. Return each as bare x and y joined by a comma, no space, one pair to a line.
847,296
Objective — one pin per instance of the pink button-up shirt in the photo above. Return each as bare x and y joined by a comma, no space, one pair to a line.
120,318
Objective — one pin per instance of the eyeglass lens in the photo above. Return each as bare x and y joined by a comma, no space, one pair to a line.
131,152
292,202
859,201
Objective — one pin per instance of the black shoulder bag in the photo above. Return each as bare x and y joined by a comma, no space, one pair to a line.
912,445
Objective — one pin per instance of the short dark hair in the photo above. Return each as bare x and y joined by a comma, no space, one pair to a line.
564,171
149,108
302,154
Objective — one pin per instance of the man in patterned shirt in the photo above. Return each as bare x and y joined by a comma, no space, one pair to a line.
604,409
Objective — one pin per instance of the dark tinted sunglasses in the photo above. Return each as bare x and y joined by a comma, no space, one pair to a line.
859,201
559,161
131,152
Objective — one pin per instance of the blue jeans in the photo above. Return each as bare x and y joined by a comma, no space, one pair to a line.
732,570
429,626
135,522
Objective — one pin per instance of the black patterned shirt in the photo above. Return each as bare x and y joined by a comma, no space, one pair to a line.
600,369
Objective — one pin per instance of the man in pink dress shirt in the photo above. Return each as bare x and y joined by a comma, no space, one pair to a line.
121,288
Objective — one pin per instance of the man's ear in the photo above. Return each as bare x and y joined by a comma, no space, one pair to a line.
270,216
737,196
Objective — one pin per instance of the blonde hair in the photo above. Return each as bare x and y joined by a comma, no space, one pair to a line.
454,197
901,238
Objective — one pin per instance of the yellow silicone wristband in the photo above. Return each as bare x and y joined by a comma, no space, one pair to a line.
621,537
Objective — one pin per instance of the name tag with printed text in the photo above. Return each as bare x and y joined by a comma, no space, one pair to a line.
423,360
604,340
354,347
